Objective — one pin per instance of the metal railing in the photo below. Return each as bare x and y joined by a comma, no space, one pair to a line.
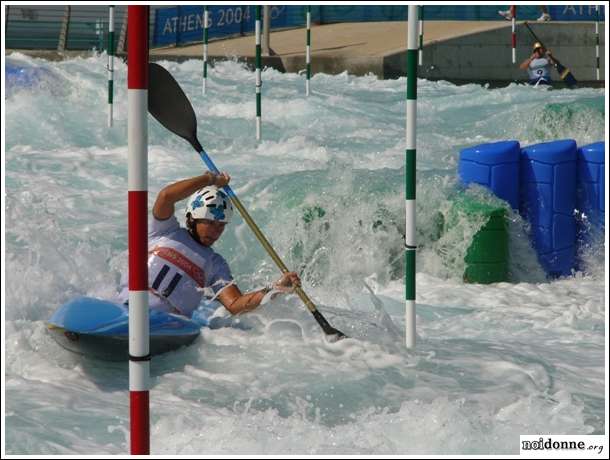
64,28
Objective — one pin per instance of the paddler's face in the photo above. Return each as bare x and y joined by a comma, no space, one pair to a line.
209,230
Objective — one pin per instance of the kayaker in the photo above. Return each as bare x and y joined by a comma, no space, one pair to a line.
538,65
182,266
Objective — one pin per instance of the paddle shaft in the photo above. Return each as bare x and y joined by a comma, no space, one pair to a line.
257,232
265,243
534,35
560,67
170,106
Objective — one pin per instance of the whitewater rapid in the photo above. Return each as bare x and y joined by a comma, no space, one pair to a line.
326,185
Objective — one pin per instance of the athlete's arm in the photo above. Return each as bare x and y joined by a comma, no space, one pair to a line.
236,302
550,57
171,194
525,64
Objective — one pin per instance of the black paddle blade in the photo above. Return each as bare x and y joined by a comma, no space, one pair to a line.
170,106
332,333
565,74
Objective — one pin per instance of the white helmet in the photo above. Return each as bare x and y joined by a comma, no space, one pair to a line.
210,203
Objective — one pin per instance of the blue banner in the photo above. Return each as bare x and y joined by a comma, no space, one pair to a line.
575,12
358,13
524,12
184,24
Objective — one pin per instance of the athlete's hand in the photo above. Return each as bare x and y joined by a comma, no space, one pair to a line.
288,282
222,179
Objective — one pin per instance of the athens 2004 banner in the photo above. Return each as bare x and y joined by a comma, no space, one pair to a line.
184,24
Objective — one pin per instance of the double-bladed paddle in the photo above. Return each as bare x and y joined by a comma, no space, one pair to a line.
170,106
564,73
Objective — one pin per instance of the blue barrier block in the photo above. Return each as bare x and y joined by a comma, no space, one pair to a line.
21,75
548,201
591,183
495,166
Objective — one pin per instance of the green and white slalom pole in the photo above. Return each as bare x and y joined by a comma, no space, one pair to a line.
205,45
597,41
410,246
308,51
421,34
258,72
110,63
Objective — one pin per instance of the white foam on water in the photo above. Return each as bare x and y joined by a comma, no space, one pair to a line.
326,185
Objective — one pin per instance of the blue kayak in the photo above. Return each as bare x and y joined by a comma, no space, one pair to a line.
100,329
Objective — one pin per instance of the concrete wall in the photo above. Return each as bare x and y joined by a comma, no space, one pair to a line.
482,57
487,56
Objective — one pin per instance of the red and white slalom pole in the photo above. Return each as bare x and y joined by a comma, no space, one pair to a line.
137,140
513,12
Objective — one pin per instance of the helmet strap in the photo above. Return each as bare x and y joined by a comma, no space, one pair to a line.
191,227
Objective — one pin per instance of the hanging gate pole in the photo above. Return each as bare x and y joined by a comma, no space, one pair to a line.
308,51
266,47
137,173
597,41
110,63
205,46
258,72
513,10
410,177
421,35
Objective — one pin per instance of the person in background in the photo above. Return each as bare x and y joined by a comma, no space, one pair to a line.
538,65
545,16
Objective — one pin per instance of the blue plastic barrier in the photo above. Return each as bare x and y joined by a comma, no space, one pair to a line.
591,184
18,75
495,166
548,201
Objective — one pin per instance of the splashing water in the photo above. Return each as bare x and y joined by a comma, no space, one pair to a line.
326,185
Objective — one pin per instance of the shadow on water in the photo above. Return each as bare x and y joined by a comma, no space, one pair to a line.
114,376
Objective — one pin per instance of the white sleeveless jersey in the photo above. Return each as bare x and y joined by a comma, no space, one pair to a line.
539,68
180,270
175,274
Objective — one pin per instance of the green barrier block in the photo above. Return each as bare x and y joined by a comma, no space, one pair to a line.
487,256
